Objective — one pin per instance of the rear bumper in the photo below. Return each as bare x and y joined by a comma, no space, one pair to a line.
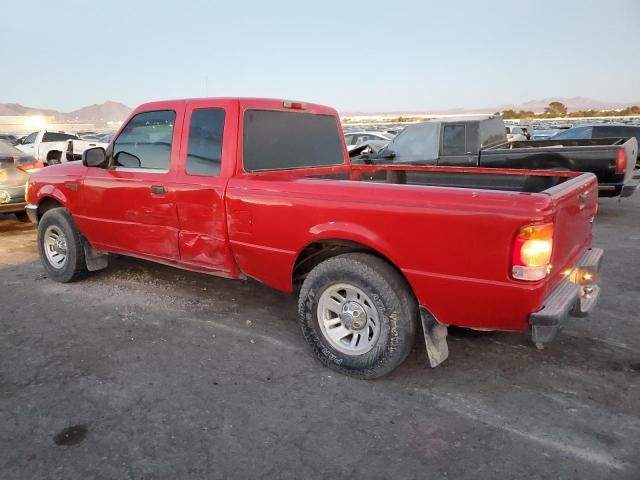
621,188
12,207
632,185
576,296
11,198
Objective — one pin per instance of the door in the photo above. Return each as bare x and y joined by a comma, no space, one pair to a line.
130,207
207,158
28,145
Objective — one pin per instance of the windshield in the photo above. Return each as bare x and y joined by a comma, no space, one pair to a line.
416,143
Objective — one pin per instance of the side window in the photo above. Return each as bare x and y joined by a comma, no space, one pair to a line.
57,137
204,152
453,140
30,138
146,141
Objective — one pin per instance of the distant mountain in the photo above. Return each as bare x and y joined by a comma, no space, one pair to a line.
572,103
14,109
101,112
98,113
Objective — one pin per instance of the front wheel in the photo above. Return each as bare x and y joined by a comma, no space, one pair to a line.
358,314
60,246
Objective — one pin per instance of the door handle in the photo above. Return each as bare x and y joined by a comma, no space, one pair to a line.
158,190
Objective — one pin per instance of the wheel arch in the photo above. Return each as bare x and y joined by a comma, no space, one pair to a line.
46,203
54,154
321,249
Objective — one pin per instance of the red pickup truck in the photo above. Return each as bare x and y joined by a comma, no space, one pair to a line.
263,189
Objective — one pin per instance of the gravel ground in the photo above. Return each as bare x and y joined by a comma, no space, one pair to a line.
143,371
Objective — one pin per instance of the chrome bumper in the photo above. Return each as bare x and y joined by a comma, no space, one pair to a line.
575,296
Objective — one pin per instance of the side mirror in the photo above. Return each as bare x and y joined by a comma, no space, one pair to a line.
127,160
94,157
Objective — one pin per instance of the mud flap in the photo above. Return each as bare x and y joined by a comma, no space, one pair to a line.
95,259
435,337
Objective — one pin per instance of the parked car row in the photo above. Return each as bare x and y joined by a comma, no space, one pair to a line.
610,152
52,147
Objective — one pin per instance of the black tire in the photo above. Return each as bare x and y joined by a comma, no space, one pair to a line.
394,302
22,216
54,158
75,266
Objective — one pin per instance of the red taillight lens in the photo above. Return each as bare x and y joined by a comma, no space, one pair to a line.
621,161
30,167
532,252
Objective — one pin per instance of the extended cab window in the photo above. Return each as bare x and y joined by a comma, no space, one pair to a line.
146,141
453,140
275,140
204,152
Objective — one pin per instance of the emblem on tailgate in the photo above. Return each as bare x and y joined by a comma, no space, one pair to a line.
583,197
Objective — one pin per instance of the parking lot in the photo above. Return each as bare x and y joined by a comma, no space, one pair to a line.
163,373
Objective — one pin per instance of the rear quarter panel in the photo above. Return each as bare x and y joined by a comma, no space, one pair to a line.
452,245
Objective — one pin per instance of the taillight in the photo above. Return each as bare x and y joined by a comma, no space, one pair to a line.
621,161
30,167
532,252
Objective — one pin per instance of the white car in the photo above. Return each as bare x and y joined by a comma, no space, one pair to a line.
355,139
51,147
515,134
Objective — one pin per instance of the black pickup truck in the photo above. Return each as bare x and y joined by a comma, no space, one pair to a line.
481,142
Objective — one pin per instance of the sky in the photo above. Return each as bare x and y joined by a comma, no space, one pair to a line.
366,56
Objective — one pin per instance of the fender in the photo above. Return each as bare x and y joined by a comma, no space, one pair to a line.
352,232
51,191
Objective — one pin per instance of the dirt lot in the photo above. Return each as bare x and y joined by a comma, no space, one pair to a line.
170,374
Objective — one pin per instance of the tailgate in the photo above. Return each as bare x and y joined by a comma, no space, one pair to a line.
575,205
631,152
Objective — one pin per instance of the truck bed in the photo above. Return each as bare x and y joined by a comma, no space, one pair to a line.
525,181
598,155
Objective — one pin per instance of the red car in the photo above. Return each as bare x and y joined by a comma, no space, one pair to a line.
264,189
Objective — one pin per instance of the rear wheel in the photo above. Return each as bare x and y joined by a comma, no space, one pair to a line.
358,314
60,246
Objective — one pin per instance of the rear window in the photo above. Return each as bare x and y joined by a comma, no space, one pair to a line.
276,140
58,137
